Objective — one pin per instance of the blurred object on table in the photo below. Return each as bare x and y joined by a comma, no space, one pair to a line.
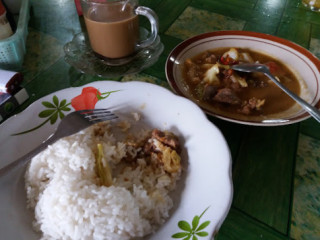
314,5
5,27
10,81
11,93
13,5
78,7
12,18
13,48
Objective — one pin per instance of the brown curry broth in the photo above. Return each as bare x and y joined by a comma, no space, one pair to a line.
276,100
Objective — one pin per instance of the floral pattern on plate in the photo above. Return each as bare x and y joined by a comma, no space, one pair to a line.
56,109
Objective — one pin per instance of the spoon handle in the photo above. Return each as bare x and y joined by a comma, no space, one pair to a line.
314,112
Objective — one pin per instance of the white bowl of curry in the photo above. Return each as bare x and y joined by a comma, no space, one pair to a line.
199,69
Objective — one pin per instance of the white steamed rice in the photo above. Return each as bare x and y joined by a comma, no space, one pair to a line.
68,202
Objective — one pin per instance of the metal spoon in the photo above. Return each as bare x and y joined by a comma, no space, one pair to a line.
255,67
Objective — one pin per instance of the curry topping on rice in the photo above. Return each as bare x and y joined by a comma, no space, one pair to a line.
211,81
160,149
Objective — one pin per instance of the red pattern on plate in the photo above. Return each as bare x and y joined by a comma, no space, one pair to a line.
86,100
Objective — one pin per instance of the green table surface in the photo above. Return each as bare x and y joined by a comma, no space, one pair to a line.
276,170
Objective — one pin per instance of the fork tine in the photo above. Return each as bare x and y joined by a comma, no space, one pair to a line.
92,111
88,115
101,119
97,115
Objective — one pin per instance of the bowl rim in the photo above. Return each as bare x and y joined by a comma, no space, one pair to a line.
169,66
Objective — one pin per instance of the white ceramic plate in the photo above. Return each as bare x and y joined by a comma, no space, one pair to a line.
305,66
206,181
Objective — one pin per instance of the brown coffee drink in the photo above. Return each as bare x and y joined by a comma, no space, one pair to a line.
113,30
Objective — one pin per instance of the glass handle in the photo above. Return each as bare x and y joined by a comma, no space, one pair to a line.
151,15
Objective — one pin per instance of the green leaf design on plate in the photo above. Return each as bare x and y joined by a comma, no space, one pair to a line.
61,114
62,103
202,234
48,104
55,109
104,95
193,231
46,113
66,109
184,226
54,118
195,222
55,100
203,226
180,234
53,112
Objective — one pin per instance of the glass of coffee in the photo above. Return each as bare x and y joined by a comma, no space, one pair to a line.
113,27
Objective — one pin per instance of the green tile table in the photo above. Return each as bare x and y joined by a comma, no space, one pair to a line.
276,170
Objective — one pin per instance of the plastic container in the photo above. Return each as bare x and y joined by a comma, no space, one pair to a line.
14,6
13,48
5,28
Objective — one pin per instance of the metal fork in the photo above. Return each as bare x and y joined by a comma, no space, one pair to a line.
70,124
